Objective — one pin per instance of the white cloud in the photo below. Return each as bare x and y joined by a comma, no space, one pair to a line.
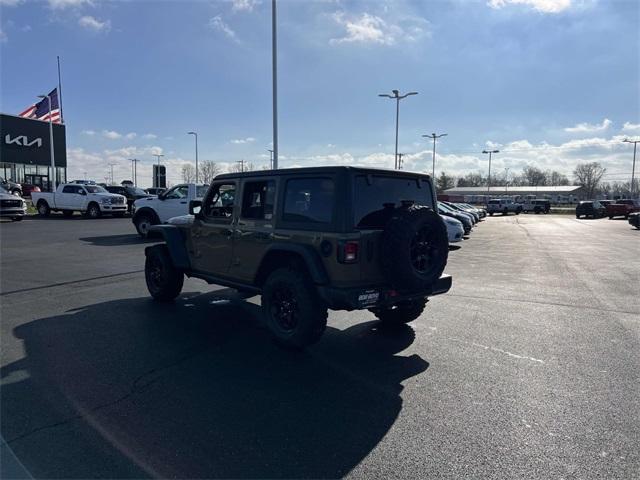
10,3
110,134
62,4
131,135
149,136
244,5
88,132
544,6
589,128
631,127
243,140
371,29
92,23
216,23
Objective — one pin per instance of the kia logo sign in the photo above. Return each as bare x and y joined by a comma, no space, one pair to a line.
22,140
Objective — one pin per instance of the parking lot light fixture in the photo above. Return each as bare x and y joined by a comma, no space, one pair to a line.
433,158
490,152
52,180
633,167
396,95
195,134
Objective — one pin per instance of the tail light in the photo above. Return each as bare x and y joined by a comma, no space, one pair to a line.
348,252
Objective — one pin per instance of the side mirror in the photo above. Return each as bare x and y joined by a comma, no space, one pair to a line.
195,207
83,192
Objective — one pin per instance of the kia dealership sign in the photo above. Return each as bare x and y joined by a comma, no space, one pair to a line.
26,141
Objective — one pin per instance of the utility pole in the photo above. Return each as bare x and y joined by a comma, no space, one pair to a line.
633,168
400,161
433,157
396,95
274,65
112,180
489,178
270,158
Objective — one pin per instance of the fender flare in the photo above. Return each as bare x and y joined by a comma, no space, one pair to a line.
175,241
309,256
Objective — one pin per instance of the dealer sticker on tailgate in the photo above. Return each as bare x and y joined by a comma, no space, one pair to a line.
370,297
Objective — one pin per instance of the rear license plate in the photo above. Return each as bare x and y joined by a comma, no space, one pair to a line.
369,297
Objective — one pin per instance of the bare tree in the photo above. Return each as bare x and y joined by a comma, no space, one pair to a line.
444,182
472,180
208,170
241,166
589,176
534,176
188,173
556,178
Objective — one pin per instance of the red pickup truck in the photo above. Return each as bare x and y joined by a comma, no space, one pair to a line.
622,208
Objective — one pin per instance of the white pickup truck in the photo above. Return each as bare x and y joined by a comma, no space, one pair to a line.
92,200
170,203
503,206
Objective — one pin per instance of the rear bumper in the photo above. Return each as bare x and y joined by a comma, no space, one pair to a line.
380,296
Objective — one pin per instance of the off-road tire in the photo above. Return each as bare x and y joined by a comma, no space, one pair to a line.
164,281
43,208
414,248
142,222
293,311
400,314
93,210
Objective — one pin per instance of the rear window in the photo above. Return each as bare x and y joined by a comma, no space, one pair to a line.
309,200
375,197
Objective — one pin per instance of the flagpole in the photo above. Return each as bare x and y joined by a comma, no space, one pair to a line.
60,91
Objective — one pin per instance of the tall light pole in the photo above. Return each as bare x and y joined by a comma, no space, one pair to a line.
134,170
633,168
195,134
433,158
270,158
274,65
400,155
52,182
396,95
490,152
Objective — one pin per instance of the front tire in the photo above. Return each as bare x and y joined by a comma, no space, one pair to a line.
164,281
293,311
400,314
93,211
143,224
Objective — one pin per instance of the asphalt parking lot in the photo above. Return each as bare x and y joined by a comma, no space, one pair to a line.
528,368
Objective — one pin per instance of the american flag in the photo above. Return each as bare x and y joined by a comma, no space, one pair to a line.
40,110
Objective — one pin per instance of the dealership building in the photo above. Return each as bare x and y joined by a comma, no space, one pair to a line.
25,151
565,194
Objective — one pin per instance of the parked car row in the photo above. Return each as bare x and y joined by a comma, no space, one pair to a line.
459,218
607,208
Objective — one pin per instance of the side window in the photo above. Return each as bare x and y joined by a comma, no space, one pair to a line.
181,191
309,200
69,189
220,201
258,199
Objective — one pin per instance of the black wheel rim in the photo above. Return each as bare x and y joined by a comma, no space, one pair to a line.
422,250
284,308
155,272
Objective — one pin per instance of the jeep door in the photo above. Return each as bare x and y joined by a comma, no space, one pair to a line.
212,231
254,230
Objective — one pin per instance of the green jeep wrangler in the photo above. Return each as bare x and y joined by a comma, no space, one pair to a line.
309,240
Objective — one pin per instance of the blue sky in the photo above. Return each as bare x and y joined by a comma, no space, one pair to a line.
549,82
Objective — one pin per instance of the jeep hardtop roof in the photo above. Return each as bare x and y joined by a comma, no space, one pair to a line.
321,170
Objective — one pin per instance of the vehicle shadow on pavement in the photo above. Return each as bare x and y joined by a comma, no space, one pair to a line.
117,240
195,389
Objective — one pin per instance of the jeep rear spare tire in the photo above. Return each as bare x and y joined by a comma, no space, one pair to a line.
415,248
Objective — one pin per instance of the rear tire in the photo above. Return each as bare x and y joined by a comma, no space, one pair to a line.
164,281
400,314
43,209
294,313
143,223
